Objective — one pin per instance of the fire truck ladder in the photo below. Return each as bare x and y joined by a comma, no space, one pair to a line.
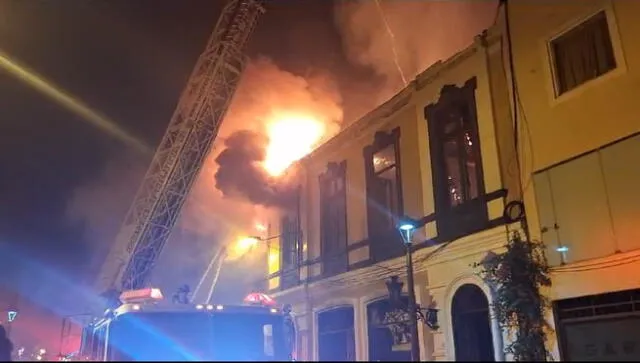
215,265
181,153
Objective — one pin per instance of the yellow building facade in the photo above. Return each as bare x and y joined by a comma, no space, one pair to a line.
577,76
334,270
443,152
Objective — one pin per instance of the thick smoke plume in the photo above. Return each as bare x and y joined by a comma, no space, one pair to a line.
240,174
265,95
422,32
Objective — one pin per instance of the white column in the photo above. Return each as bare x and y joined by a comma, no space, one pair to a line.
361,335
426,335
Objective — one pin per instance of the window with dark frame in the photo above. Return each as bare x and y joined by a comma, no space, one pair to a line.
384,182
461,157
583,53
456,162
385,173
289,242
333,219
384,195
291,245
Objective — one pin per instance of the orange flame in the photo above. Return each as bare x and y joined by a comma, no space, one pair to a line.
291,137
241,247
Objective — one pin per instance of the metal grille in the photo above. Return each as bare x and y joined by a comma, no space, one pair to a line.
621,302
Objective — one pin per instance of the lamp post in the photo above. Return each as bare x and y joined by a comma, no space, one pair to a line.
407,227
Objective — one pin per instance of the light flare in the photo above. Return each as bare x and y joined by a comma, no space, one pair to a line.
241,247
260,227
69,102
291,137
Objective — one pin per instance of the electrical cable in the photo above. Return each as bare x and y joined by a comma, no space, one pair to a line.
514,88
518,109
597,265
596,268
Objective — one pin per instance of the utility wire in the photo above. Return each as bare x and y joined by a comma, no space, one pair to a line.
597,265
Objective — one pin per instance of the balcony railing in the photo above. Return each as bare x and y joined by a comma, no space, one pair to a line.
293,276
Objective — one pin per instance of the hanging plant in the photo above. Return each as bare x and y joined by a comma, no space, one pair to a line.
517,275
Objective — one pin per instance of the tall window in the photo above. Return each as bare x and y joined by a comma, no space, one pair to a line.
384,194
333,219
583,53
291,245
456,162
461,157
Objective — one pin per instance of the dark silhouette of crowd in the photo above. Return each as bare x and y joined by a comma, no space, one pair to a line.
6,347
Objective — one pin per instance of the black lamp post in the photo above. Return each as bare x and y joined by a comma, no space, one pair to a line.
407,227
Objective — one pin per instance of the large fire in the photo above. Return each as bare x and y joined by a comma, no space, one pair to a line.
291,137
276,118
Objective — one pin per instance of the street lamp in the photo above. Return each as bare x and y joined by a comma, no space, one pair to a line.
406,227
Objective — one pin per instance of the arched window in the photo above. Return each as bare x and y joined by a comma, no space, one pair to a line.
472,336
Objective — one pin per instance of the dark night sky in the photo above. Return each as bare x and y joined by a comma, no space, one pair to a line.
128,60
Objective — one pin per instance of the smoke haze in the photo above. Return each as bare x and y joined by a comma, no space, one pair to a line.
424,32
101,204
233,190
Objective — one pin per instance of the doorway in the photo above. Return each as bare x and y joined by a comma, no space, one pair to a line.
336,335
472,336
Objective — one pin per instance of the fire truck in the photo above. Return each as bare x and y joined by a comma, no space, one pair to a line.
145,328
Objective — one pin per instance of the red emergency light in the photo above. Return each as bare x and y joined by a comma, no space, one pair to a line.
257,298
141,296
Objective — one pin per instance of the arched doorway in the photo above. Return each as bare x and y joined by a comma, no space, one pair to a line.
388,332
336,335
472,337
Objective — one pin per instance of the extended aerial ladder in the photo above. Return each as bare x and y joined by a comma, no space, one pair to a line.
181,153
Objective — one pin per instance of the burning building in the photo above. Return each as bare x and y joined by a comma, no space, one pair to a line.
443,152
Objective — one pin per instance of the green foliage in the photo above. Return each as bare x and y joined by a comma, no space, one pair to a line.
517,276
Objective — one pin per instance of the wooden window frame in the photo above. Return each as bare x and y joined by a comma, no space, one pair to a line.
290,271
333,261
383,244
581,28
470,216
